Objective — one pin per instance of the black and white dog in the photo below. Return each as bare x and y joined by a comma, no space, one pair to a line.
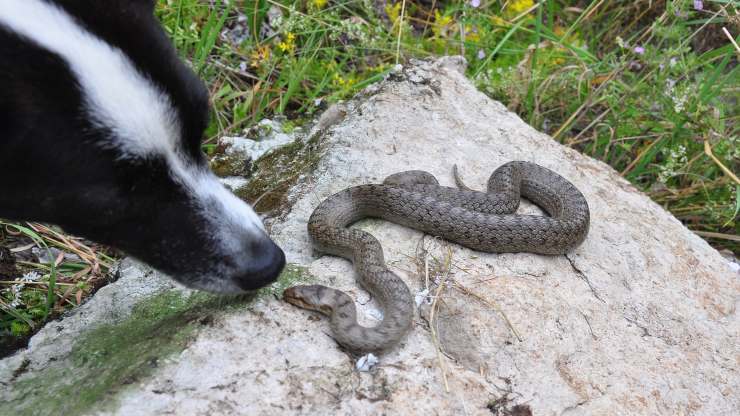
100,129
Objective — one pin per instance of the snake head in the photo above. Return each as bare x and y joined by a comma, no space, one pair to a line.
311,297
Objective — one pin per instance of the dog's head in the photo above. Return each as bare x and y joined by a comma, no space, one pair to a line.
100,130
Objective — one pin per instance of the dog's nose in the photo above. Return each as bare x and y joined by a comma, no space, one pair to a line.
266,261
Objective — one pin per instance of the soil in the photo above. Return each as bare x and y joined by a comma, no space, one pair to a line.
8,271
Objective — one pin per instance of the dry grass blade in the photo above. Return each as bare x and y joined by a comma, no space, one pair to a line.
493,305
26,283
721,236
639,156
728,172
585,104
86,253
729,36
400,31
432,313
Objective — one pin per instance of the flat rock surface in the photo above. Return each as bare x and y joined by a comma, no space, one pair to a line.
640,319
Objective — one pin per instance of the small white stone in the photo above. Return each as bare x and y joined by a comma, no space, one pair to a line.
233,182
421,297
367,363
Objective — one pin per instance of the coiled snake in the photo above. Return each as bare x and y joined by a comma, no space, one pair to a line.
478,220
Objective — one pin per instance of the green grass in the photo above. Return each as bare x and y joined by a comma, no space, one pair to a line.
648,87
41,290
643,86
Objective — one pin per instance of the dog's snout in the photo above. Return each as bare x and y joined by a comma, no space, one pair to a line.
264,262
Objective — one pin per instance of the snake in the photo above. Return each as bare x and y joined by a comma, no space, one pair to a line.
483,221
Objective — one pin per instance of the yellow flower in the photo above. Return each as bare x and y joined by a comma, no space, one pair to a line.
393,12
557,53
380,67
518,6
319,4
472,34
343,82
288,45
573,39
259,55
498,21
442,24
557,61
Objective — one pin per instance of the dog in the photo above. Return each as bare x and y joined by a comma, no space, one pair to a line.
100,132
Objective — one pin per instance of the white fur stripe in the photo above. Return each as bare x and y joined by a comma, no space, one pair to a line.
141,116
116,95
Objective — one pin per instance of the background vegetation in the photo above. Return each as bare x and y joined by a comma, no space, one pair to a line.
651,88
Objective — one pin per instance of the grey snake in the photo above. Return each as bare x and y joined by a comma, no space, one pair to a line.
483,221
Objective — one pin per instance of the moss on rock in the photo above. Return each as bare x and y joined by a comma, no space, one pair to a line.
292,275
277,172
112,356
231,164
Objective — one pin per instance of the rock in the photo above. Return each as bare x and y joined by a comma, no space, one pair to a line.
262,138
235,162
234,182
237,32
640,319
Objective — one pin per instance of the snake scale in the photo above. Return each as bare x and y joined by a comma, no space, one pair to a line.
483,221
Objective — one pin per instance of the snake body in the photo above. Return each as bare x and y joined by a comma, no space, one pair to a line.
483,221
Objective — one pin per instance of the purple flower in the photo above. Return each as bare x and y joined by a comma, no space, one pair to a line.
481,54
698,5
474,3
639,50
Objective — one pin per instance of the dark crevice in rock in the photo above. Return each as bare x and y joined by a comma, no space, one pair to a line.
645,331
583,277
573,407
21,369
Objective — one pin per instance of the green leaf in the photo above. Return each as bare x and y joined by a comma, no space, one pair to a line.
209,34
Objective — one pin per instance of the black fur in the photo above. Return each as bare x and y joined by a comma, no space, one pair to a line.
54,168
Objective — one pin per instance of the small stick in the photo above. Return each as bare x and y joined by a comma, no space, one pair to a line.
729,36
728,172
710,234
400,31
21,282
442,365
